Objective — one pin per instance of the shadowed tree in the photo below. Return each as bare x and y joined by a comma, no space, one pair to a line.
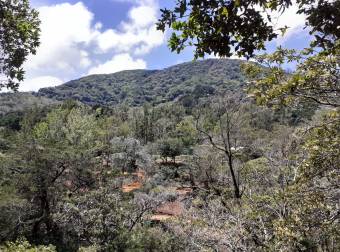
224,27
19,37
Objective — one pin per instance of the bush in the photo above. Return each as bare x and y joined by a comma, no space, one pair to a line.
170,147
147,239
23,245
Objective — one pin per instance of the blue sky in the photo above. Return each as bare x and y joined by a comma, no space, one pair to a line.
79,38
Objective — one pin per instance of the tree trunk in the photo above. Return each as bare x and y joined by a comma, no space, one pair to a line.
233,176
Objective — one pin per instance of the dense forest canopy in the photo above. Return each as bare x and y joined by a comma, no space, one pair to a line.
72,154
210,155
152,86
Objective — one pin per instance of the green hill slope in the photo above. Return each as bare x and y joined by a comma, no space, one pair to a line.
135,87
21,101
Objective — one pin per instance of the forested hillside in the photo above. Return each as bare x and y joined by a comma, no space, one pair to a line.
10,102
186,81
166,177
210,155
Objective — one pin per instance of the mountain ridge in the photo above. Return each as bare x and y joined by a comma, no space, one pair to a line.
136,87
185,82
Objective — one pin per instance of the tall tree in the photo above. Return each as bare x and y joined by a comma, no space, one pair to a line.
56,157
221,126
19,37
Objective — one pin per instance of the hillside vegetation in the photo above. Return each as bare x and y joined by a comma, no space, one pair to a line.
211,155
184,81
197,167
10,102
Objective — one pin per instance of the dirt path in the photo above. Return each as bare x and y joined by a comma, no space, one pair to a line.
166,210
137,183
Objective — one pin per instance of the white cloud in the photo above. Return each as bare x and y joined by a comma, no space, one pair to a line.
36,83
138,34
141,16
290,18
65,30
118,63
71,41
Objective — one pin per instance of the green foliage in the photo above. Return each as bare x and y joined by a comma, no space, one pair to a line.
128,154
216,27
186,131
106,220
147,239
313,196
11,120
138,87
14,102
170,147
226,27
99,217
315,80
299,213
308,222
55,155
19,37
252,179
24,246
65,186
65,128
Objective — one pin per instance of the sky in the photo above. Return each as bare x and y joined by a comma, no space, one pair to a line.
80,38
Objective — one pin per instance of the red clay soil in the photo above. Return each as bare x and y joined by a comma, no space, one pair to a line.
137,184
174,208
140,174
167,211
131,187
182,191
160,217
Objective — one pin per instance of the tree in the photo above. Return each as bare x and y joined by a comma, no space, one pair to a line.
107,220
207,169
128,154
25,246
221,126
170,147
312,220
186,131
220,27
144,120
19,37
310,212
303,212
56,155
224,27
315,80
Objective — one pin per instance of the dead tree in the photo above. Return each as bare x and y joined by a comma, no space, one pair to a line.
227,119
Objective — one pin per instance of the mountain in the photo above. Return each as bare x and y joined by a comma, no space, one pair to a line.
185,81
